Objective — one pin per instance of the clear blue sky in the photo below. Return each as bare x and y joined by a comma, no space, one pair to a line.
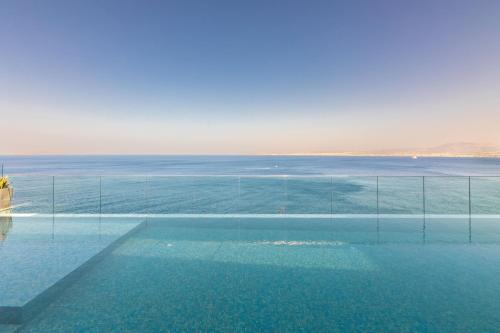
247,76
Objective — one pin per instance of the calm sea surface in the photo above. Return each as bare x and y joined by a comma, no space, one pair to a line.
193,185
248,165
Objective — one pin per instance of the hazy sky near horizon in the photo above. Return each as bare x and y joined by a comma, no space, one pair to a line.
249,77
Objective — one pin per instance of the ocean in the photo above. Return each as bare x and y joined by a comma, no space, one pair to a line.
248,165
253,185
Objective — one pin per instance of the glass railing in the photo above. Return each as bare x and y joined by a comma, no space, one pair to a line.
256,195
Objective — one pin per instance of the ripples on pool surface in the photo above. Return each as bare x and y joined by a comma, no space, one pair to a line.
247,275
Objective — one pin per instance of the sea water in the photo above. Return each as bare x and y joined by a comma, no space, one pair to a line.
247,165
253,185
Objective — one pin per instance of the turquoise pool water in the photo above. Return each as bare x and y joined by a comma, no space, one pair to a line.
289,274
36,253
41,256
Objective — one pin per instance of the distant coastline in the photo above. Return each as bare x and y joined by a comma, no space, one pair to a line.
451,150
341,154
460,149
418,155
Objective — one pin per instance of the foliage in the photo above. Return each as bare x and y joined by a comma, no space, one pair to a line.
4,182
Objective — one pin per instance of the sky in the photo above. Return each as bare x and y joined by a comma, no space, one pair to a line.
247,77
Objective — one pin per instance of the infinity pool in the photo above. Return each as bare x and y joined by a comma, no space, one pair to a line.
289,274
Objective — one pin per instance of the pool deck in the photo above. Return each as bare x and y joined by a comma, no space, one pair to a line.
43,256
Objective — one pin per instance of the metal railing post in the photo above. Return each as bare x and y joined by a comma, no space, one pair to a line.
53,205
423,208
378,214
286,194
470,214
238,200
100,205
331,196
146,199
100,196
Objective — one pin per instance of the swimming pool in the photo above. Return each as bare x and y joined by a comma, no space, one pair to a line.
289,274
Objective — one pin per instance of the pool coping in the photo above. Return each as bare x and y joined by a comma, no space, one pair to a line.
19,315
150,216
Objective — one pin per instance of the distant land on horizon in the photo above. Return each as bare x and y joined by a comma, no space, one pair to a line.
463,149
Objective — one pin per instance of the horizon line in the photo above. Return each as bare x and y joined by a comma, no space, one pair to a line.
409,154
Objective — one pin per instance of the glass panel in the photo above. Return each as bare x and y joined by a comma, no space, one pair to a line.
218,195
32,194
400,195
262,195
172,195
192,195
309,195
124,195
76,195
269,195
447,195
354,195
485,195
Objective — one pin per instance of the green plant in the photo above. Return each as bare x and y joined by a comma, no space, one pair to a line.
4,182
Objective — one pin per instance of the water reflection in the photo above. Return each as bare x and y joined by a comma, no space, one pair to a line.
376,230
5,224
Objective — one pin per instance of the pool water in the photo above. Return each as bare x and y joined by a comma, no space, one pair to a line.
289,275
41,256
